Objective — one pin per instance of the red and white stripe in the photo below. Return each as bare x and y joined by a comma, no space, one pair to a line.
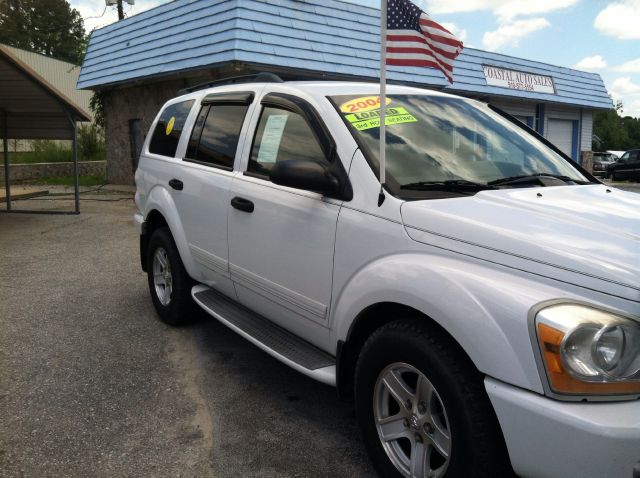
435,47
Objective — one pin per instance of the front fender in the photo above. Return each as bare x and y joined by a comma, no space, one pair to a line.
160,199
483,308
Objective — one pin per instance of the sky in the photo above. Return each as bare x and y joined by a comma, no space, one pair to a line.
591,35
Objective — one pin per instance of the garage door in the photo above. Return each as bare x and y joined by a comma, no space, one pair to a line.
560,133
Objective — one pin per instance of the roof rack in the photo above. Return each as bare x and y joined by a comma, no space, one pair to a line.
263,77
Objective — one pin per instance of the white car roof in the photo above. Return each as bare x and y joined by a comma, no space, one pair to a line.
318,89
330,88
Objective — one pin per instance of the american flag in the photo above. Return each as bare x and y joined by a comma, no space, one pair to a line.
413,39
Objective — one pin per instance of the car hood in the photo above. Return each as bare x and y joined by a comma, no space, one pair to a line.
587,235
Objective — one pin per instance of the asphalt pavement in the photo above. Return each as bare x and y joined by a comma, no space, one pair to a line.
625,185
93,384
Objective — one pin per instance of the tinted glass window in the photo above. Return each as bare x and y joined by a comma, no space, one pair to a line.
219,138
282,136
168,129
192,149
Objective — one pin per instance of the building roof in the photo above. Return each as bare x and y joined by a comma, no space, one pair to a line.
329,36
34,108
61,75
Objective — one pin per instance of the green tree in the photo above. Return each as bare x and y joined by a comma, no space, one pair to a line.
632,129
608,127
49,27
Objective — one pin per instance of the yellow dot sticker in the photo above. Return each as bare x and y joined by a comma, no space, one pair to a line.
366,103
170,124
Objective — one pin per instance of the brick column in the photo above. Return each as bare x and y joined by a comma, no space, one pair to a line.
586,160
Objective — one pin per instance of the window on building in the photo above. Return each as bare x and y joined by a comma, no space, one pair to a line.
214,139
282,136
136,138
166,134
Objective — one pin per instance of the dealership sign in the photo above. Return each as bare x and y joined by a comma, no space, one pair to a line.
518,80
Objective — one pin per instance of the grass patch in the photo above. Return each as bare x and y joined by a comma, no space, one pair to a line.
43,152
96,180
91,147
32,157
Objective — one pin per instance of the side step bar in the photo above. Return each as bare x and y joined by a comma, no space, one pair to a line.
273,339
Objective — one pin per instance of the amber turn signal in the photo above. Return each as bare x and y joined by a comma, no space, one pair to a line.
561,381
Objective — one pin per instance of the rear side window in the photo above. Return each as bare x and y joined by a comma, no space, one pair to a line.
282,136
215,136
168,129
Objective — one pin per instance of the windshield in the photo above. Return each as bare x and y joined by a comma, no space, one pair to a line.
604,158
435,140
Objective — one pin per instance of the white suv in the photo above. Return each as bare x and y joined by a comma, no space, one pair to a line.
484,312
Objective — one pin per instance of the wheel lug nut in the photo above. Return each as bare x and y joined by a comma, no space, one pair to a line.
428,428
405,422
418,438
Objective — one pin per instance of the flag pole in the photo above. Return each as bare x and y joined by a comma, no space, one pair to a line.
383,96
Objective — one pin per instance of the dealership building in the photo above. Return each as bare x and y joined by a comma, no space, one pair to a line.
139,63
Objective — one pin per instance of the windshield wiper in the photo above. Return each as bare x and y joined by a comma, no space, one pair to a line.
525,178
448,185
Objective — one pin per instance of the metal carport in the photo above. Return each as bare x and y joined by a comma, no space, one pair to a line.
31,108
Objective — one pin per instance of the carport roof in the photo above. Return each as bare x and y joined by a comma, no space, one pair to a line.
35,109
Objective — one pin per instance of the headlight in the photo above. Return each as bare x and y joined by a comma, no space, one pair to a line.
589,351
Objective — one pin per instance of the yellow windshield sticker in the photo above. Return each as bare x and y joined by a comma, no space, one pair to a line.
170,124
371,119
366,103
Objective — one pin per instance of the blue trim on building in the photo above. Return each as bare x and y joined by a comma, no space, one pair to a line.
575,140
540,118
530,121
329,36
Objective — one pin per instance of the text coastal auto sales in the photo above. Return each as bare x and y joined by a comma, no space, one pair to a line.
518,80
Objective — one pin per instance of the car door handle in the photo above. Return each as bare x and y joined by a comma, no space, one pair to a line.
242,204
176,184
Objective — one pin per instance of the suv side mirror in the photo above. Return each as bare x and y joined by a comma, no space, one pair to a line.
307,175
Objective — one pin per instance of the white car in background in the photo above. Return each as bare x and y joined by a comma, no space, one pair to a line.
618,154
483,312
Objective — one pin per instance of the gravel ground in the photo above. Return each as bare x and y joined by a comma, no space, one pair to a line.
92,384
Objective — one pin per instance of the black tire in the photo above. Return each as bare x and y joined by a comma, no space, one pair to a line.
476,446
179,308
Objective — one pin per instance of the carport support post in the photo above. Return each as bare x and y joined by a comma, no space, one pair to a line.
75,167
5,146
74,128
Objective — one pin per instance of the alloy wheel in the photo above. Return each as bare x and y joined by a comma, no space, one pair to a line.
412,422
162,278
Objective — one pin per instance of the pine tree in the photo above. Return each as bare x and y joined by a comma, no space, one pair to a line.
49,27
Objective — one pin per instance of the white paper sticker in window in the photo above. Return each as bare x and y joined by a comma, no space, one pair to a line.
271,137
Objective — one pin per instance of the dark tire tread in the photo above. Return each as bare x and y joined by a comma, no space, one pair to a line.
488,457
181,310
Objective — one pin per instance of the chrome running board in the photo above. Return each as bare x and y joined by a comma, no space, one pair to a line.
273,339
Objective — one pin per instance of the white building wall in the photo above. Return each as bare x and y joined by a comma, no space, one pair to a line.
515,108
